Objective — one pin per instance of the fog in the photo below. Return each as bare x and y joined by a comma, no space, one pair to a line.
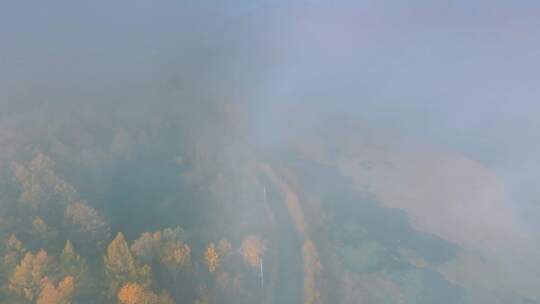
376,151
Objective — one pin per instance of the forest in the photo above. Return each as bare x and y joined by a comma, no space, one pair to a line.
269,151
122,218
167,209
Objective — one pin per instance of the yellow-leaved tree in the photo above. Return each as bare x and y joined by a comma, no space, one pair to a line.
87,225
253,249
121,267
26,280
60,294
166,250
133,293
211,257
41,188
14,251
175,253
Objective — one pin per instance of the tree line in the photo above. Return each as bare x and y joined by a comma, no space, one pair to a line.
61,251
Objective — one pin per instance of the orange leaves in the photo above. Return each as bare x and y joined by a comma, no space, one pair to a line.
89,220
40,184
39,226
27,277
166,247
121,267
147,246
177,255
31,279
253,249
14,250
133,293
119,261
167,251
214,255
60,294
211,257
67,284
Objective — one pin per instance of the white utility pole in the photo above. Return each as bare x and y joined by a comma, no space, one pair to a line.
262,273
261,260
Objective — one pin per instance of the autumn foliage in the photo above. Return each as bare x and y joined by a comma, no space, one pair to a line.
253,249
60,294
211,258
133,293
27,278
65,254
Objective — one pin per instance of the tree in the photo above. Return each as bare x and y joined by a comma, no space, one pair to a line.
211,257
253,249
72,265
133,293
60,294
43,235
147,247
120,266
41,187
175,255
166,250
14,252
89,224
40,227
28,275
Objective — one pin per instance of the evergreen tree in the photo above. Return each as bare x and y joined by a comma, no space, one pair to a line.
73,265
